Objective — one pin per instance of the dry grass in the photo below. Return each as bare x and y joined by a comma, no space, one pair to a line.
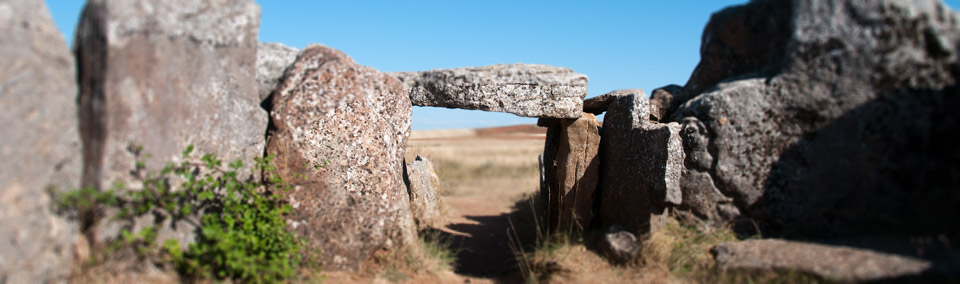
117,267
684,252
433,257
431,262
468,162
676,253
564,258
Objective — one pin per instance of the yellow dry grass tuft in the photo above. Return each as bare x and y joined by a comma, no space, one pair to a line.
684,251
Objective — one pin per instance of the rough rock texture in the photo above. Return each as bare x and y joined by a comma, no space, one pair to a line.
662,102
572,181
330,109
619,245
40,144
599,104
521,89
165,74
736,42
641,164
834,263
423,186
272,60
835,118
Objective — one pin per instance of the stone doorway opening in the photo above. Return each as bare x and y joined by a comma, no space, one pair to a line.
485,173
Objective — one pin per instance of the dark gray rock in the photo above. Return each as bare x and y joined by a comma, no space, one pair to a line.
834,263
423,186
344,126
827,118
641,164
619,245
40,145
735,43
599,104
626,109
662,102
521,89
272,60
549,186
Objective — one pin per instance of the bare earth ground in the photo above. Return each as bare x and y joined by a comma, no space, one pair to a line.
483,173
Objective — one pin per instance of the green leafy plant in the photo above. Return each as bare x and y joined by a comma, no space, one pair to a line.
240,232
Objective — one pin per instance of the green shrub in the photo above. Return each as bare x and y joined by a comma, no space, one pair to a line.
240,229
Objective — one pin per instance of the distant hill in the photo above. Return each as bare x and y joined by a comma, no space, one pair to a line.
522,131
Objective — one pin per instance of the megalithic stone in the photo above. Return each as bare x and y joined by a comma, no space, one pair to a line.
339,135
160,75
163,74
522,89
571,151
423,186
272,60
39,145
641,165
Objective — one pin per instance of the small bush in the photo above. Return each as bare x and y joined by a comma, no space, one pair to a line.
437,254
240,229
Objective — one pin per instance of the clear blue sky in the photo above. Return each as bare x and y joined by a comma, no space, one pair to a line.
618,44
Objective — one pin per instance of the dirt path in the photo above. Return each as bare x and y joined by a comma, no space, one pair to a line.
482,174
484,251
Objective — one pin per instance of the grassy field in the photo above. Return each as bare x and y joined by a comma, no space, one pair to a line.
493,162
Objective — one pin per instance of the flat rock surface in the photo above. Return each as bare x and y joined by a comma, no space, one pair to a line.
522,89
339,138
40,144
836,263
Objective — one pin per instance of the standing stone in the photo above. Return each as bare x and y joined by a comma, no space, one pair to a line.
641,165
550,186
40,144
577,171
830,118
423,185
272,60
522,89
339,136
165,74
